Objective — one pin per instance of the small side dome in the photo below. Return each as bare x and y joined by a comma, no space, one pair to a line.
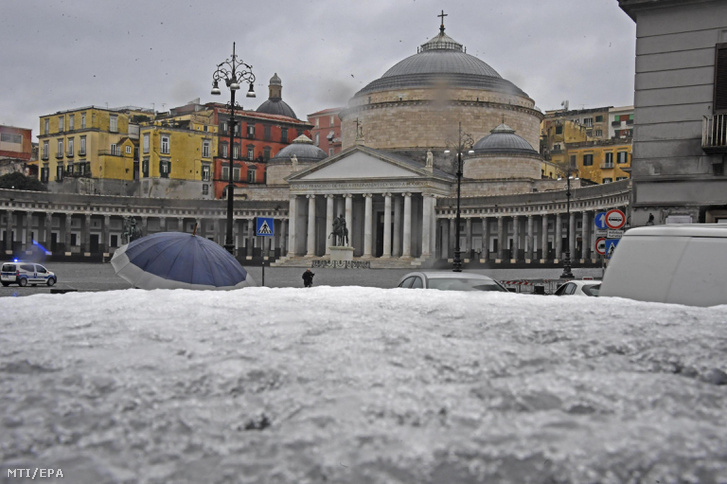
303,149
275,104
503,140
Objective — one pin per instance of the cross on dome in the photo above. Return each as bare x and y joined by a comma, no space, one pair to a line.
442,15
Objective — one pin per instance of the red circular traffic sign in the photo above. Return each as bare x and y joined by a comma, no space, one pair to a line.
601,245
615,219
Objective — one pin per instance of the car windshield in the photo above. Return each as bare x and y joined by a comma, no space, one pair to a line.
463,284
592,290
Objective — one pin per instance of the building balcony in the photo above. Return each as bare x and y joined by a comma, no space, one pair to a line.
109,153
714,133
607,166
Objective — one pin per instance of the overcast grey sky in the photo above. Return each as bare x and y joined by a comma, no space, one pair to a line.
57,55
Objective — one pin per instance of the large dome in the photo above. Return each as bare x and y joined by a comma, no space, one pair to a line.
442,60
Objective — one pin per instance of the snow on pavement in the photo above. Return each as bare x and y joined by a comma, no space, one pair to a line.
353,384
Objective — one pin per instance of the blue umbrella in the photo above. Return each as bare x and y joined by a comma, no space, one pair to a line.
171,260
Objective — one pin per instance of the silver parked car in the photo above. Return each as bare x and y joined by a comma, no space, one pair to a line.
579,288
450,281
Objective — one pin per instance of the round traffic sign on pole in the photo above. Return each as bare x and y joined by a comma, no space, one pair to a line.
615,219
601,245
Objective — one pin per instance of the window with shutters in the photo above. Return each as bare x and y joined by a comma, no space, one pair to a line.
720,78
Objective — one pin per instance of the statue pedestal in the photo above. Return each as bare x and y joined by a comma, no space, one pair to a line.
341,253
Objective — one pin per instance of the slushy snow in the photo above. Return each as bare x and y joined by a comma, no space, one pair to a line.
361,385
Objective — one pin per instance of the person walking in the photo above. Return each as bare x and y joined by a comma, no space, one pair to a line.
308,278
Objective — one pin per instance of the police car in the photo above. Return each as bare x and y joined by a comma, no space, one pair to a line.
24,273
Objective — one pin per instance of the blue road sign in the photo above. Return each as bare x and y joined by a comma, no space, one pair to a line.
600,221
265,226
610,247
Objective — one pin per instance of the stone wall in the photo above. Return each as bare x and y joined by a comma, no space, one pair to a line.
431,125
502,167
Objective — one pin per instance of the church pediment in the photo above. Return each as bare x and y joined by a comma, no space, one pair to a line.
360,163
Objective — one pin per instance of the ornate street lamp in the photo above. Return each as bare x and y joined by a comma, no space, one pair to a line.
232,71
464,142
567,273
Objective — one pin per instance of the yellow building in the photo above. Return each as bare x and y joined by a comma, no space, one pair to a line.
602,161
592,141
90,142
177,154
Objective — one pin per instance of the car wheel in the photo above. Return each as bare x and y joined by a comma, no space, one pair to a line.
23,282
6,284
51,281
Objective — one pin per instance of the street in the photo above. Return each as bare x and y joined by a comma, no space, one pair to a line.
82,276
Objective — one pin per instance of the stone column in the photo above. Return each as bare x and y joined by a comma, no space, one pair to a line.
572,236
291,226
501,237
349,218
368,223
180,224
427,209
283,237
530,240
406,249
106,242
515,238
250,237
467,238
451,239
9,232
544,236
330,199
86,234
396,249
387,226
67,232
29,230
586,243
48,231
485,239
433,225
311,229
558,237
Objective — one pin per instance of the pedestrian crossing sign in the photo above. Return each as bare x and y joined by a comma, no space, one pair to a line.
264,226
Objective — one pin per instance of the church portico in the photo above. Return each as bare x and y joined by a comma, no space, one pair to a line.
387,202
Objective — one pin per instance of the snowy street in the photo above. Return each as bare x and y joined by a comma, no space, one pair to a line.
358,384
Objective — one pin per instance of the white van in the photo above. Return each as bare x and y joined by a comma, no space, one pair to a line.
22,273
682,264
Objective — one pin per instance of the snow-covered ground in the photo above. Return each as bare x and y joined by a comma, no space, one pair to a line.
361,385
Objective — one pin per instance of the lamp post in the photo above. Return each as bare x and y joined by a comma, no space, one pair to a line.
464,142
232,71
567,273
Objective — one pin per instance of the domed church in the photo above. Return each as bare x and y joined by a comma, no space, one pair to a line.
275,103
418,104
395,181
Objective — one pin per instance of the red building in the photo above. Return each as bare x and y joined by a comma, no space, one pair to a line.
326,132
259,135
16,150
